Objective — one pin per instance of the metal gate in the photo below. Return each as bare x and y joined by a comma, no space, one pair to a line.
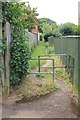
52,59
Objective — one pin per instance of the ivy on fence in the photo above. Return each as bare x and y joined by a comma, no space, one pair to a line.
20,17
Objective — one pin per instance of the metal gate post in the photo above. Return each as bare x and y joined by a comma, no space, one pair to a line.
66,61
38,63
53,69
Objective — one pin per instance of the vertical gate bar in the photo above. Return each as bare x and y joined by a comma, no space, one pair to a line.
38,64
66,61
53,69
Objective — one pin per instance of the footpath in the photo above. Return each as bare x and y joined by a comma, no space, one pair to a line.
55,105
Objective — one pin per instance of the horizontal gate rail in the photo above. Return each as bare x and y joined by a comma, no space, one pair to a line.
46,67
49,55
53,55
41,59
41,73
54,67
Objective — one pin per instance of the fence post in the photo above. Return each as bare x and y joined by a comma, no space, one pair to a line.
1,55
7,56
38,64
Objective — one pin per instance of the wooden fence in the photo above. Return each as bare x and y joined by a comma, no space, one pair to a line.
5,36
33,39
5,56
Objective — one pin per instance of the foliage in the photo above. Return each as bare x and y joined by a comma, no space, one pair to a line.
24,14
2,45
46,44
46,20
2,48
78,32
20,17
51,50
47,35
49,28
68,29
41,36
54,33
31,89
40,29
46,25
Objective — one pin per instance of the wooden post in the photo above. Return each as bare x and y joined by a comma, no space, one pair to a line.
6,59
1,55
1,61
7,56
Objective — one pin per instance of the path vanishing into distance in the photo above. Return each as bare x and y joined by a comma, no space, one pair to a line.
55,105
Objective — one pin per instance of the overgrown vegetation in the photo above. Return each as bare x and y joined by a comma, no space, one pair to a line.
34,86
48,28
55,33
20,17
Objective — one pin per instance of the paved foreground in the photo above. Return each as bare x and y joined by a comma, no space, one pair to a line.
56,105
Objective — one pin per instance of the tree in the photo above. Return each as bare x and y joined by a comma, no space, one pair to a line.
68,29
47,25
48,28
31,15
23,14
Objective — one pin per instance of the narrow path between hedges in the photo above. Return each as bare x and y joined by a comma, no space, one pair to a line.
54,105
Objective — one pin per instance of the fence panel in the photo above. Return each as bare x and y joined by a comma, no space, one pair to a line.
33,39
69,45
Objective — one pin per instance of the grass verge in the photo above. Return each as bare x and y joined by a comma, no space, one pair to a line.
35,87
40,49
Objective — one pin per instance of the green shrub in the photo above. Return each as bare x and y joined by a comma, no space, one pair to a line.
46,44
54,33
41,36
68,29
50,50
19,58
47,35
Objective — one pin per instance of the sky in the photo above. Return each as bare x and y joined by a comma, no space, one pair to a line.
60,11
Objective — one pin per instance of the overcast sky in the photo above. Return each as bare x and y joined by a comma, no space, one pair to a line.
60,11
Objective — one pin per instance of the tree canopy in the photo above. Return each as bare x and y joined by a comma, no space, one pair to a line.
19,12
68,29
46,25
